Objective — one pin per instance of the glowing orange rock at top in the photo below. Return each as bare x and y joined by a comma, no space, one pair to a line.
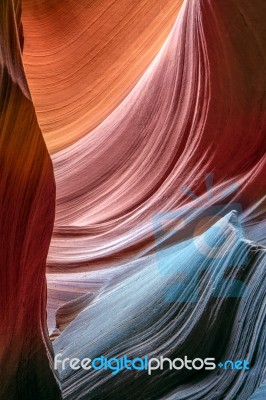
82,57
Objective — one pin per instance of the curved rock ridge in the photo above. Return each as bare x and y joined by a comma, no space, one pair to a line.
27,206
188,140
181,301
190,114
154,114
82,58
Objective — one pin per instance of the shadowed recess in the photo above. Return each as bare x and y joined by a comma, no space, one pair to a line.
27,206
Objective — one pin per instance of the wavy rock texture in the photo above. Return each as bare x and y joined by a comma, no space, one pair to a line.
159,161
27,213
199,107
189,114
82,57
202,322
